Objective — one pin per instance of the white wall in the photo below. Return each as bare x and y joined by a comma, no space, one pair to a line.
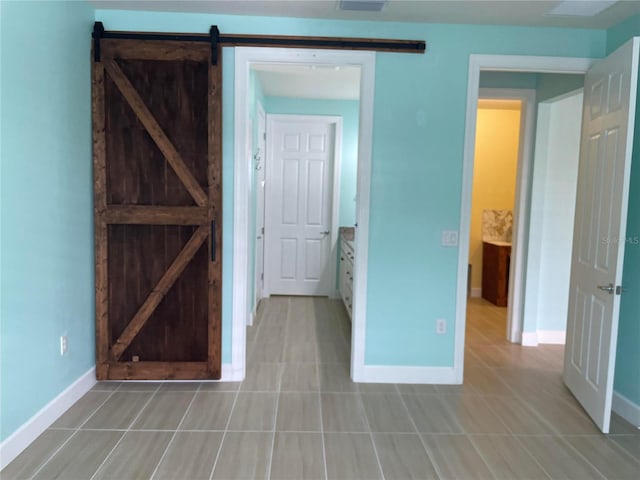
555,175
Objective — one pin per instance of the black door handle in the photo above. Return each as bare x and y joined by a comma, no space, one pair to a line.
213,240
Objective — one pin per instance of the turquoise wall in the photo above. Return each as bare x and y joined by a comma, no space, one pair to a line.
627,379
46,204
418,141
349,111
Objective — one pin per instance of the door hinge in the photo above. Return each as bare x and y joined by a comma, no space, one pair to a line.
262,276
264,135
619,290
262,230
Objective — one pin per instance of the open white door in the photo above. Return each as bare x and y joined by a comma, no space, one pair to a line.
600,228
260,161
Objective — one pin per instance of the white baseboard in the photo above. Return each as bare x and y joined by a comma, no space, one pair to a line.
550,337
12,446
553,337
476,292
403,374
626,409
529,339
231,374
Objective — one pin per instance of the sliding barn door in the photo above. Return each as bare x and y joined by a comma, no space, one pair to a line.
157,166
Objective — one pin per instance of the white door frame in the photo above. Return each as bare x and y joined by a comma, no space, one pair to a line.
508,63
260,292
517,268
244,58
335,185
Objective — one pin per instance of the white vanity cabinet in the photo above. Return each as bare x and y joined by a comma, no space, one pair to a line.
345,276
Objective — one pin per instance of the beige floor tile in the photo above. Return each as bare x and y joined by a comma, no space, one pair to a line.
351,456
219,386
630,443
515,414
244,455
105,386
558,459
81,455
379,387
262,377
209,411
190,455
30,460
300,377
333,352
619,426
486,381
563,418
507,459
431,415
119,411
386,413
300,352
164,411
455,457
343,412
297,456
271,334
136,456
179,387
81,410
334,377
610,459
266,353
139,386
402,456
417,389
298,412
253,411
473,414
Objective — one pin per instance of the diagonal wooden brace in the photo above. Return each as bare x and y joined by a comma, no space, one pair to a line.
159,291
155,131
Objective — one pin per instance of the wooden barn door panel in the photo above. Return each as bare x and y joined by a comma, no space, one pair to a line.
156,114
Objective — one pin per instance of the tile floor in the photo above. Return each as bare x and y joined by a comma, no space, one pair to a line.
298,416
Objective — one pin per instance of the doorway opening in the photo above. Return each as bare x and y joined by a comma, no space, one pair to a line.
274,81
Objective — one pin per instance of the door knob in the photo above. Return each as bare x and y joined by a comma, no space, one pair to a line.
607,288
325,233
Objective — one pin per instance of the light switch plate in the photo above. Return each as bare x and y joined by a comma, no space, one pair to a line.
449,238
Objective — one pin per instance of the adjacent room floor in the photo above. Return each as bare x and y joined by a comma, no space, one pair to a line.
298,416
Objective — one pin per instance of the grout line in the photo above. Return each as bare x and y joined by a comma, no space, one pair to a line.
151,397
435,466
373,443
224,435
76,430
175,432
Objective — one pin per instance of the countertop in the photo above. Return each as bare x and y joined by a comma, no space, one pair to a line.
347,233
498,243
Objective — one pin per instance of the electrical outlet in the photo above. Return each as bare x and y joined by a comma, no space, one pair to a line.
449,238
64,344
441,326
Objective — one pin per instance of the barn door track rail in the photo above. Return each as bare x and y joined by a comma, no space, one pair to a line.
215,38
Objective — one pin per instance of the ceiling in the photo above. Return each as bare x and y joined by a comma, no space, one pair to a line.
514,12
305,81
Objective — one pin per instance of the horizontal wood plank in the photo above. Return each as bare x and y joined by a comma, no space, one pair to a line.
153,50
159,371
155,215
158,292
155,131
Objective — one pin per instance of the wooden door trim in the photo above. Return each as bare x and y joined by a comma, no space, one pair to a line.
155,131
158,292
101,233
214,178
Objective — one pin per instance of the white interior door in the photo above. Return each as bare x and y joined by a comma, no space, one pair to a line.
599,232
260,166
300,181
